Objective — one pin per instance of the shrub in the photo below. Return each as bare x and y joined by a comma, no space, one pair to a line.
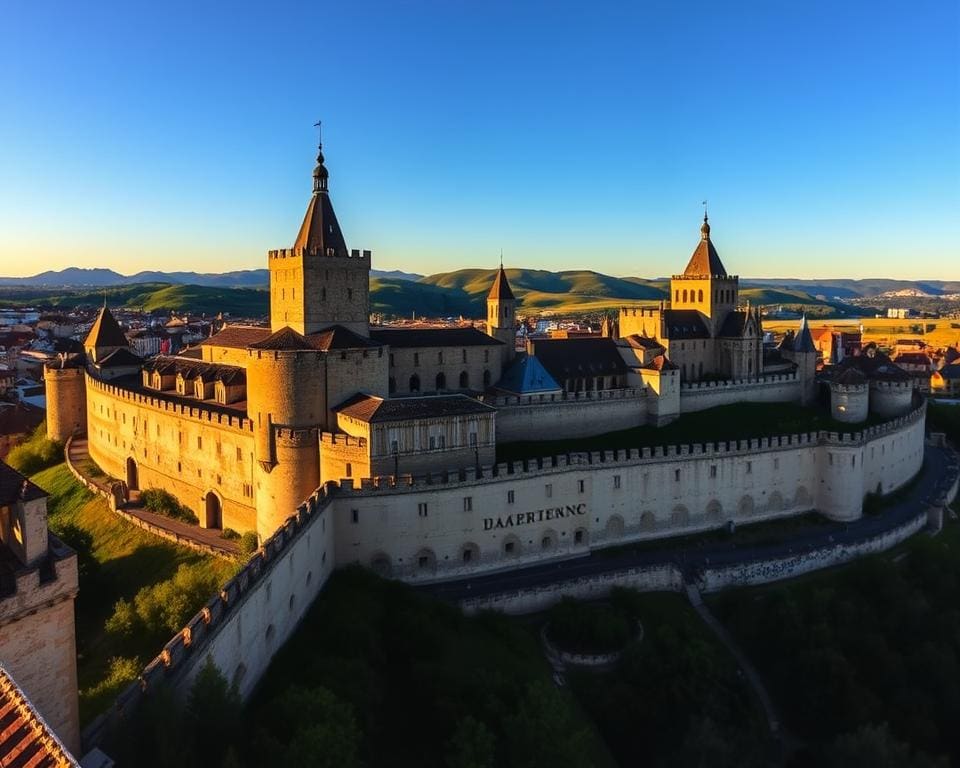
35,454
588,627
124,620
166,607
165,503
230,534
249,543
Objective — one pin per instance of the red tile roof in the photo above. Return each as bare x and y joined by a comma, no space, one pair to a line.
26,741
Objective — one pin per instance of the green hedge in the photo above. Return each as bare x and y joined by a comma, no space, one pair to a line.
165,503
36,454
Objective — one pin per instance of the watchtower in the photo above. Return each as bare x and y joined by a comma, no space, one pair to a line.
318,282
705,285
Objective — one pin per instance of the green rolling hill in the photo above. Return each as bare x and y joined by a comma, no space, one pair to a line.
448,294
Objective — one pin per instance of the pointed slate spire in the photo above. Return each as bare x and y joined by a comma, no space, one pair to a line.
803,342
320,232
501,287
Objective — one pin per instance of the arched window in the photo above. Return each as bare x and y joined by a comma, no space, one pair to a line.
676,298
323,294
392,385
700,375
348,470
486,378
684,295
700,295
441,381
464,380
414,383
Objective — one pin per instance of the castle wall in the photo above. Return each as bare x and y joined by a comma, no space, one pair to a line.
568,414
849,404
425,362
211,353
355,370
568,504
343,456
185,449
698,396
890,398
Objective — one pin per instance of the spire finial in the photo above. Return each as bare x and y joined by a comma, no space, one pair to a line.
320,174
705,227
501,258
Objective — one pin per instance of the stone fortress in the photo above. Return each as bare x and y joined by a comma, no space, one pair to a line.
399,427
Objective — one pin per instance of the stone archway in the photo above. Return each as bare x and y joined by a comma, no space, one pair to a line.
212,511
133,479
614,527
746,506
714,511
381,565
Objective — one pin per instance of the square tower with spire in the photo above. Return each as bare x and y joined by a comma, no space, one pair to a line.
319,282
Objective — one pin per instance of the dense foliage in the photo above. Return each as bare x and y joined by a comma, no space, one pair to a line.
165,503
36,453
581,627
379,675
875,643
675,697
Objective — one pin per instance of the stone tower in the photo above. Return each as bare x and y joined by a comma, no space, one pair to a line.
285,401
705,285
318,282
501,322
105,337
66,398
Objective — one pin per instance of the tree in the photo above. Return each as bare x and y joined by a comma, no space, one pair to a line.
873,746
471,746
213,710
545,732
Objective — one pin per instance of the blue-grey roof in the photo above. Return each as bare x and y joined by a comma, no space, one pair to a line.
527,376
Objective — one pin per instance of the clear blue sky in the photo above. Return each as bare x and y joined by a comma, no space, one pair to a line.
825,135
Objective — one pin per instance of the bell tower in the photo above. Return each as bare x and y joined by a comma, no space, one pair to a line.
705,285
501,321
318,282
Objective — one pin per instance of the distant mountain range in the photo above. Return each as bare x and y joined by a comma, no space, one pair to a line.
446,294
77,277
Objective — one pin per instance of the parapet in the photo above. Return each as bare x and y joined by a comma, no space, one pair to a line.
294,253
777,378
340,438
564,398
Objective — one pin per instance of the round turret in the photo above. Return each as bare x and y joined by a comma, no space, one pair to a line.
849,397
890,398
286,388
66,399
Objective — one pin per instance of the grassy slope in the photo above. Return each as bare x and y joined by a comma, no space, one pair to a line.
740,421
116,560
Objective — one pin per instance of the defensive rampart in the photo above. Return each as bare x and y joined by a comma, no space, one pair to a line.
700,395
568,414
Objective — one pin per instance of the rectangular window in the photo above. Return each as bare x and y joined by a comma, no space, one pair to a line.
510,497
548,489
416,359
468,503
616,481
464,355
433,442
713,470
776,463
676,475
440,358
391,359
199,442
422,509
239,454
486,355
749,467
580,486
394,447
354,515
473,438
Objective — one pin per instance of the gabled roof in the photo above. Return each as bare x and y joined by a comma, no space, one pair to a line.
106,332
25,738
685,324
284,339
372,409
527,376
874,364
734,324
662,363
237,336
641,342
401,338
850,377
579,358
705,262
500,288
320,231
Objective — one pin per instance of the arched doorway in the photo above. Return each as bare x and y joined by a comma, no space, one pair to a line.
213,513
414,383
464,380
132,480
441,381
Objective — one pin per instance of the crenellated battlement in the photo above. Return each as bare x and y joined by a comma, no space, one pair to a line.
171,404
777,378
650,312
563,398
705,277
339,438
553,464
355,254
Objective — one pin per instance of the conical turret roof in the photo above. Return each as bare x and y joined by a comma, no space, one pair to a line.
320,231
106,332
803,341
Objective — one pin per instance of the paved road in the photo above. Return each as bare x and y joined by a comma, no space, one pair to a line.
939,470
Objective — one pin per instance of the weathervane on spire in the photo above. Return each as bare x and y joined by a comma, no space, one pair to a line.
704,204
320,174
501,258
319,126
